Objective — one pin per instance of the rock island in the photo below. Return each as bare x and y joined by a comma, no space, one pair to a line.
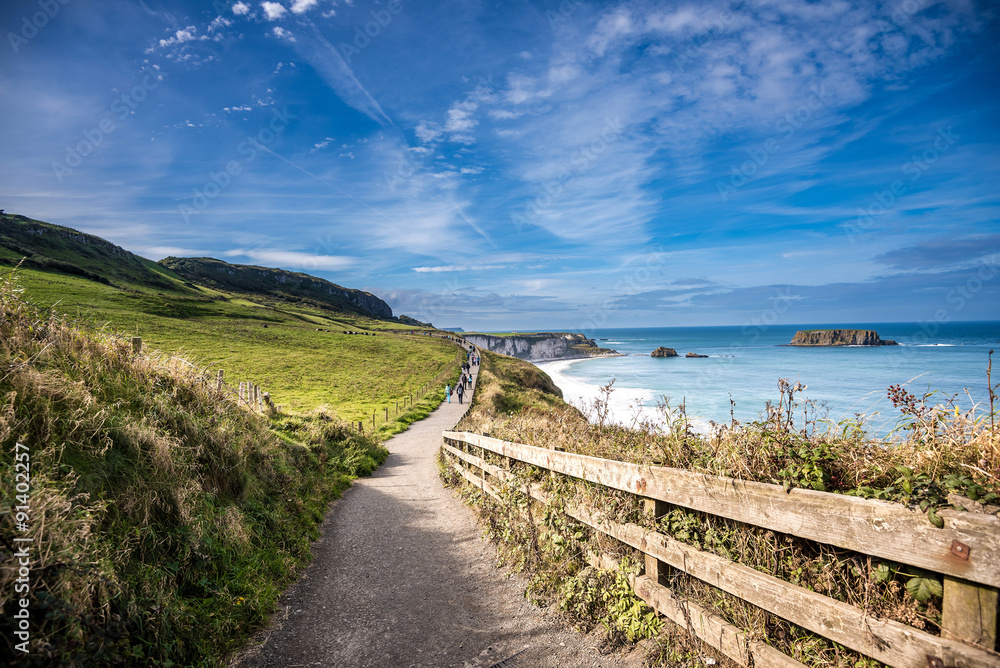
839,337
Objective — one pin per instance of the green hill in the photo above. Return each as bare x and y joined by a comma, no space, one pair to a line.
277,283
55,248
282,330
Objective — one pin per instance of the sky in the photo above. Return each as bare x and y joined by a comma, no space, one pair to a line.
530,165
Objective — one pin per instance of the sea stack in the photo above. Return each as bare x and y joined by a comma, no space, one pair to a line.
695,355
839,337
663,352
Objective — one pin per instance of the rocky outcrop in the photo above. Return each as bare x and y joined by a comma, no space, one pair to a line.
664,352
839,337
695,355
541,347
280,283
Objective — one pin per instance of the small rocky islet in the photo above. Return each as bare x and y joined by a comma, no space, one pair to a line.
839,337
663,351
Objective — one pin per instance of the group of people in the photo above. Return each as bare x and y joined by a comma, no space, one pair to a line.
465,382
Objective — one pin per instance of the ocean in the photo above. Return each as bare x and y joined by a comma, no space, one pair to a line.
745,363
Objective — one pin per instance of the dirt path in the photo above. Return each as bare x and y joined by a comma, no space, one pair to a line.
402,577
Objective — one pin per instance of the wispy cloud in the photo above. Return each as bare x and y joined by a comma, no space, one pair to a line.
329,64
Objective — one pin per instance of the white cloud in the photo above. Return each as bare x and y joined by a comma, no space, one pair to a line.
218,23
428,131
456,267
504,114
241,9
460,119
283,34
522,89
284,259
182,36
273,10
320,145
302,6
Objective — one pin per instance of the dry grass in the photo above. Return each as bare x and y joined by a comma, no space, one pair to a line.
936,450
164,518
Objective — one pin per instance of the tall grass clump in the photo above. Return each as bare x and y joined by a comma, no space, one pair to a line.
937,456
164,518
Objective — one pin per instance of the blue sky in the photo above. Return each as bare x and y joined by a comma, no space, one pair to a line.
530,165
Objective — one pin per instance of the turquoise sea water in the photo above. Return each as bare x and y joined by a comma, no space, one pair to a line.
746,363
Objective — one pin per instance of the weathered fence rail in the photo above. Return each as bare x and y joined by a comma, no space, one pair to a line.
966,551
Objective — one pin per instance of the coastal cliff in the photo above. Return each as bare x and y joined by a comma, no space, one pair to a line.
541,347
839,337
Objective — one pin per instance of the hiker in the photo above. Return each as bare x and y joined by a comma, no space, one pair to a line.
460,392
447,392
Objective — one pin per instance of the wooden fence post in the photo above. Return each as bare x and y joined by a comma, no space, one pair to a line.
242,384
220,380
361,426
137,345
373,420
386,413
969,612
656,570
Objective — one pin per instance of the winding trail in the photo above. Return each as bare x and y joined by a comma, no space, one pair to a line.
402,577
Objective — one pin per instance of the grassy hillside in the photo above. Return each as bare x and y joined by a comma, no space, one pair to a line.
165,519
57,248
291,286
270,337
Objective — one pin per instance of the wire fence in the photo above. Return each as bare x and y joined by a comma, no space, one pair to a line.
251,396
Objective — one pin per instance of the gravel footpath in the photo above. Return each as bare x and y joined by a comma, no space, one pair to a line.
403,577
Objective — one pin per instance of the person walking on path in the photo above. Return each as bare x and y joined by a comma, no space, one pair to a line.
460,391
447,392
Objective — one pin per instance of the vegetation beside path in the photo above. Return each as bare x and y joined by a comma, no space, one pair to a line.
165,519
938,457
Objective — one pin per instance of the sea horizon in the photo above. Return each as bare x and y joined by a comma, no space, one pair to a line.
744,363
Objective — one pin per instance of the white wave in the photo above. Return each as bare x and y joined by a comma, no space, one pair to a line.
626,405
930,345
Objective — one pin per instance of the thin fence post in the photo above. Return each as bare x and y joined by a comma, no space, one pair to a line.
220,379
137,345
386,413
656,570
969,612
373,420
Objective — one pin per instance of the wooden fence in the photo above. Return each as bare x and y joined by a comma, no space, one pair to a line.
966,552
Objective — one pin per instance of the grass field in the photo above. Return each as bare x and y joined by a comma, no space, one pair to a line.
273,344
